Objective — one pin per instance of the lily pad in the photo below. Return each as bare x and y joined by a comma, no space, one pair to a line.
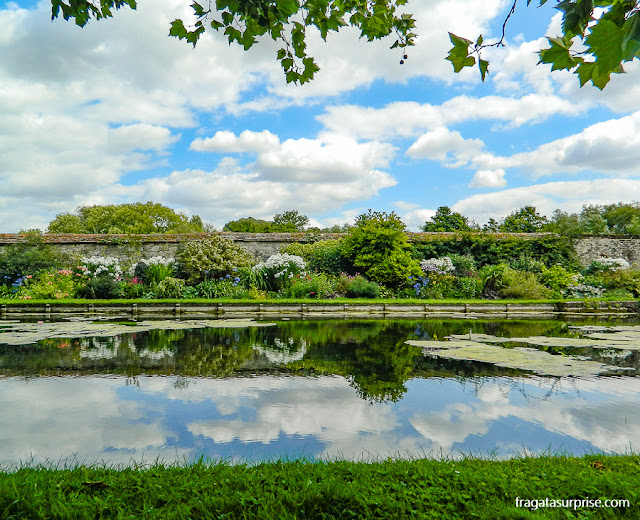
523,358
27,333
614,340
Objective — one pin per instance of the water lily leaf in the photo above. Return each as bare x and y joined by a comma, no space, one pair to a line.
27,333
522,358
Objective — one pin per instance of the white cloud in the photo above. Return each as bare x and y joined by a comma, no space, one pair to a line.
416,218
566,195
229,192
227,142
488,179
611,147
446,146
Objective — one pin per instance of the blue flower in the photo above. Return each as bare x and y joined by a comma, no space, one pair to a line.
227,276
236,279
234,269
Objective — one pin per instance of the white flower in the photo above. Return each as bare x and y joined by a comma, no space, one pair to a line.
442,265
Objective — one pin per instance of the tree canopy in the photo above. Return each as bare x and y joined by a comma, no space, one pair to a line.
134,218
446,220
287,222
597,36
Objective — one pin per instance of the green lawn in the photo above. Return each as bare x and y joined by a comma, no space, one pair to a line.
469,488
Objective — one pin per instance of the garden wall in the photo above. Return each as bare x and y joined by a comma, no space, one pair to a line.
133,247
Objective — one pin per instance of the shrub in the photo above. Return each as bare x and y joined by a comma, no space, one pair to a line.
311,285
133,288
378,244
210,258
494,279
170,288
464,265
466,288
626,279
99,266
360,287
274,273
491,249
225,287
52,285
557,278
605,265
28,258
325,256
102,287
523,284
526,263
153,270
442,265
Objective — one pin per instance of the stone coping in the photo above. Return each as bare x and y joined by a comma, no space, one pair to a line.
326,309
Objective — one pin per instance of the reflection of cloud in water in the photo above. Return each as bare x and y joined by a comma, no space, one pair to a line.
282,352
51,418
99,418
324,407
604,412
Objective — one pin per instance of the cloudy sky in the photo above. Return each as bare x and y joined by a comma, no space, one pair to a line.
119,112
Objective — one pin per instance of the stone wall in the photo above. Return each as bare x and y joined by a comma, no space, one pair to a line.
130,248
611,246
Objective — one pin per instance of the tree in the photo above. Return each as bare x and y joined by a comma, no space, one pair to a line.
592,46
378,245
284,21
290,221
619,216
610,40
248,225
144,218
445,220
525,220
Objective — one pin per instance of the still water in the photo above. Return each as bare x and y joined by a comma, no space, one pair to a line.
315,389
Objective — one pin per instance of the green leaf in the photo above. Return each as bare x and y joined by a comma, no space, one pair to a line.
459,53
589,71
605,43
577,14
177,29
558,54
484,68
631,40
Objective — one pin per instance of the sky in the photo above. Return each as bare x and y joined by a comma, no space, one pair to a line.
118,112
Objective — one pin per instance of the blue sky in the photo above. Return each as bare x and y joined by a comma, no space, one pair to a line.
119,112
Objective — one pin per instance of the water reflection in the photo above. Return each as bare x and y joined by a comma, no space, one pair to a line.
316,389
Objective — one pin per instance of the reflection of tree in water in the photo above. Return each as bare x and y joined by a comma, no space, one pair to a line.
212,353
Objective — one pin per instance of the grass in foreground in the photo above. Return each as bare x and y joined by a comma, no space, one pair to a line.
425,488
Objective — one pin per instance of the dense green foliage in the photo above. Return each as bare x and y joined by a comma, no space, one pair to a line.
126,218
524,220
490,249
211,257
287,222
378,245
446,220
325,255
27,258
468,488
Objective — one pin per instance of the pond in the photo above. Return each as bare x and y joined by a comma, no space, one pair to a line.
85,390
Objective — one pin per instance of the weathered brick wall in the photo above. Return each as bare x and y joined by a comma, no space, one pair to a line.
130,248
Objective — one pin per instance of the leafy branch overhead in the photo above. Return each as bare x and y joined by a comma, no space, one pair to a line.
598,37
284,21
